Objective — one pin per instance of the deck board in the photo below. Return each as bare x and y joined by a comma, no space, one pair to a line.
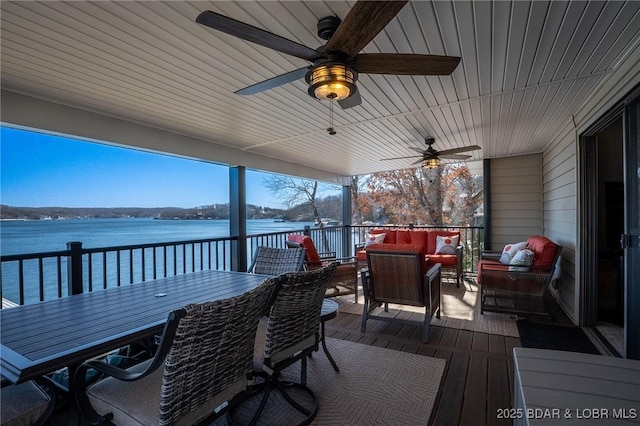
474,406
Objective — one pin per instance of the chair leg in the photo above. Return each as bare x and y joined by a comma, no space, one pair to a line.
273,382
425,324
365,314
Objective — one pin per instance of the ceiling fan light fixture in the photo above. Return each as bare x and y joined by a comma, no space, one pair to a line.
333,81
430,163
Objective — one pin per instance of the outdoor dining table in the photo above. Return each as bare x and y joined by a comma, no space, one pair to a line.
44,337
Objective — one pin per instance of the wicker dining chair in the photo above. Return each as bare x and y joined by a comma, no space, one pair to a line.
290,334
276,261
203,367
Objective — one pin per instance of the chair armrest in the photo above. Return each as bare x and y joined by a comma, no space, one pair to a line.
490,255
348,259
329,255
79,377
358,246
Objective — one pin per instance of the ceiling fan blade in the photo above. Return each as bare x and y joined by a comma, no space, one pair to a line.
454,157
401,158
457,150
273,82
416,149
405,64
256,35
351,101
363,22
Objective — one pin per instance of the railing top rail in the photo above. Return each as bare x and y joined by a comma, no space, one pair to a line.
418,226
291,231
29,256
164,244
84,250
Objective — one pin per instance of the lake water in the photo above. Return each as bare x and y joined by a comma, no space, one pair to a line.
35,236
23,237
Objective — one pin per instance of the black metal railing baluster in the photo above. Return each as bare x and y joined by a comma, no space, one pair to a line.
41,278
21,281
59,273
118,266
90,272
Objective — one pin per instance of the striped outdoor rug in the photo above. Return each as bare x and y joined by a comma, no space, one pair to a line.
374,386
460,310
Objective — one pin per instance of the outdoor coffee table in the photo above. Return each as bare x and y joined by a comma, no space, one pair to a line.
329,311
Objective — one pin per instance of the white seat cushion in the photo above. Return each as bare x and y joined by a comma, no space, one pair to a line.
138,403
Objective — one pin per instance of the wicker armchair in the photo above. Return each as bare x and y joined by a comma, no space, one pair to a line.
345,280
400,277
290,334
518,292
277,261
202,367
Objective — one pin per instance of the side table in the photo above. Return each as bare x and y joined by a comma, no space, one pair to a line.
329,311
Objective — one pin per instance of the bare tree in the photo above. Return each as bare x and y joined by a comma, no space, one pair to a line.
444,195
294,191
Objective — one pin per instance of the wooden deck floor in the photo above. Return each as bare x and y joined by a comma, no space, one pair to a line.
478,375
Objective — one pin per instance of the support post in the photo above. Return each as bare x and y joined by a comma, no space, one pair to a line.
238,217
346,221
486,182
74,268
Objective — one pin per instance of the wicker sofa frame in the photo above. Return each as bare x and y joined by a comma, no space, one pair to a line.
515,292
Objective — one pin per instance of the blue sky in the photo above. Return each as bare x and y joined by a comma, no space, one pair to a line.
41,170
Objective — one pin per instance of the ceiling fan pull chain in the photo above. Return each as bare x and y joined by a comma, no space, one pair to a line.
330,129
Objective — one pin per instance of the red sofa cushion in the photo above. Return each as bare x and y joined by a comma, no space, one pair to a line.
544,251
311,255
431,239
403,236
420,238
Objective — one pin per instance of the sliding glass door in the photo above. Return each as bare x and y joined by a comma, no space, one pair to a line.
631,237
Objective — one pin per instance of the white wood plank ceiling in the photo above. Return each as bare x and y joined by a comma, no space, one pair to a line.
526,67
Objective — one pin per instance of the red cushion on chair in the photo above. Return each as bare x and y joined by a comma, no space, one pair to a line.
312,257
544,251
485,264
447,260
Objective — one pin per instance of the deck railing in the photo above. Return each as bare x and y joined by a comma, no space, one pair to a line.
29,278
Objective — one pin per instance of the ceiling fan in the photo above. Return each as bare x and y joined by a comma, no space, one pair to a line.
430,158
335,65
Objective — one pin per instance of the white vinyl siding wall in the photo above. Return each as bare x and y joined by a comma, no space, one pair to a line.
560,177
560,213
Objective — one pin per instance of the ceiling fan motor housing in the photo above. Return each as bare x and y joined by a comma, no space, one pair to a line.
327,26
